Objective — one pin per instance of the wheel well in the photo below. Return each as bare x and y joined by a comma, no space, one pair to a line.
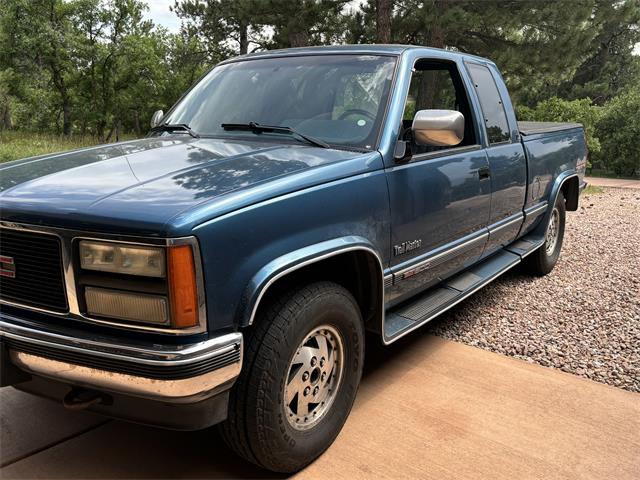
571,191
358,271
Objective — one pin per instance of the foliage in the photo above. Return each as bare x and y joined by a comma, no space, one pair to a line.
557,110
619,131
521,36
93,67
97,68
613,131
609,65
228,27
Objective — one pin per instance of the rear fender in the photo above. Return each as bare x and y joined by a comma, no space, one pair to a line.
563,180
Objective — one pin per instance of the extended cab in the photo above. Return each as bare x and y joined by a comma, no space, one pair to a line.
225,268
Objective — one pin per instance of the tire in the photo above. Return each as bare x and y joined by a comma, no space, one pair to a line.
264,428
542,261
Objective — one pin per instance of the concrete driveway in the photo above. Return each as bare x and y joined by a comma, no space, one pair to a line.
427,408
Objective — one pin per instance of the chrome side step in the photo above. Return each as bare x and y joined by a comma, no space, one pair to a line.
428,305
526,245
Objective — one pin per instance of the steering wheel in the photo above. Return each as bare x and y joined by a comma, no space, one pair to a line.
357,111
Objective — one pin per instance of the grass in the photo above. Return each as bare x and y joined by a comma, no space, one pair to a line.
16,145
593,190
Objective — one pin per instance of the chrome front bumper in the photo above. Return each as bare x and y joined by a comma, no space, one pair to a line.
168,373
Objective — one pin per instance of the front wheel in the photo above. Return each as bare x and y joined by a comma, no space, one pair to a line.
302,368
542,261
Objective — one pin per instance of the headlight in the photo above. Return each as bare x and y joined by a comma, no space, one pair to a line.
122,258
143,284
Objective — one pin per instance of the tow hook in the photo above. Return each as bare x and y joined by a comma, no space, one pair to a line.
82,398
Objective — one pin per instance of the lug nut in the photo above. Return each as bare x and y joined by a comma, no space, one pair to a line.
306,391
305,376
314,360
324,375
322,362
316,390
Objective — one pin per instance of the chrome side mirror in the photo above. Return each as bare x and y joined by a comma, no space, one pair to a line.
156,118
438,128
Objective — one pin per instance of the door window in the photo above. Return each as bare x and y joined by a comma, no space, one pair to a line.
436,85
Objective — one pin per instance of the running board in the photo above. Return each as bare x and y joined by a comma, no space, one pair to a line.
428,305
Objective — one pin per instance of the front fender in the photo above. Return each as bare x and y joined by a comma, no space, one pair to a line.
293,261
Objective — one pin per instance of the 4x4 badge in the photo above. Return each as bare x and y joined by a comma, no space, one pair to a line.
7,267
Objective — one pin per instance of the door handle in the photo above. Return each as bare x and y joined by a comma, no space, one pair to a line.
484,172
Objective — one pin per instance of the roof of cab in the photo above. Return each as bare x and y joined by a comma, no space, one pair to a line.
376,49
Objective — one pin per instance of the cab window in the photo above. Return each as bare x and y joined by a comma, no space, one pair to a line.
495,117
436,85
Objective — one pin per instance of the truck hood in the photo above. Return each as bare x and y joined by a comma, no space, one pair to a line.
157,186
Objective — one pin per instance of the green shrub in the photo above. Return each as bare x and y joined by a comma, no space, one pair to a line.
558,110
619,131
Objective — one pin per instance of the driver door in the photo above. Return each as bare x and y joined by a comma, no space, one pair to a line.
440,196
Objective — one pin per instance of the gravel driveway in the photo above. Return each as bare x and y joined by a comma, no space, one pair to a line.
584,317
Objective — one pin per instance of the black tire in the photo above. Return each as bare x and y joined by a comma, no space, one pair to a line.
542,261
257,427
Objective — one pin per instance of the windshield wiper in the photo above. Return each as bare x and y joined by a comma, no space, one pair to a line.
259,128
170,127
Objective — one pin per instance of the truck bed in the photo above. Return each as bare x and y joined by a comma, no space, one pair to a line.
534,128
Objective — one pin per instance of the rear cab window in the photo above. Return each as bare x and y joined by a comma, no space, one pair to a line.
495,117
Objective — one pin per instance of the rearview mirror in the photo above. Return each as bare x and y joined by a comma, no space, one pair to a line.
438,128
156,118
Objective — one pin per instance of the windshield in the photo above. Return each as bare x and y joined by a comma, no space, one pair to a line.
339,99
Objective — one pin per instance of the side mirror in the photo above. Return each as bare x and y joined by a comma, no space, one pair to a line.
438,128
156,118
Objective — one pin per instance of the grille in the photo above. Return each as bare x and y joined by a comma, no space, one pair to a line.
36,262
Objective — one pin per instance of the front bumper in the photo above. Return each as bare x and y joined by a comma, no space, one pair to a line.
176,374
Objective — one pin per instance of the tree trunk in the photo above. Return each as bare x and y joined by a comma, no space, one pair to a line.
244,38
383,21
437,35
108,139
65,101
298,39
66,117
136,123
429,87
100,126
5,116
430,82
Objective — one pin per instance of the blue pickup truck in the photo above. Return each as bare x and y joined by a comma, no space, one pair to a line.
224,269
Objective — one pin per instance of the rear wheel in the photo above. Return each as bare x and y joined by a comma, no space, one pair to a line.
542,261
303,364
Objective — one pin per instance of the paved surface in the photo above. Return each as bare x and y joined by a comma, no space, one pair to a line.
427,408
612,182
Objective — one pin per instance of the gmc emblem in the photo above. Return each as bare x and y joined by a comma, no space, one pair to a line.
7,267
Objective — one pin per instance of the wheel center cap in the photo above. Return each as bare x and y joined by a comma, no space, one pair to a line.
315,376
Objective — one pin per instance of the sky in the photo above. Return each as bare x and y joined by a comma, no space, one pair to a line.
161,15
